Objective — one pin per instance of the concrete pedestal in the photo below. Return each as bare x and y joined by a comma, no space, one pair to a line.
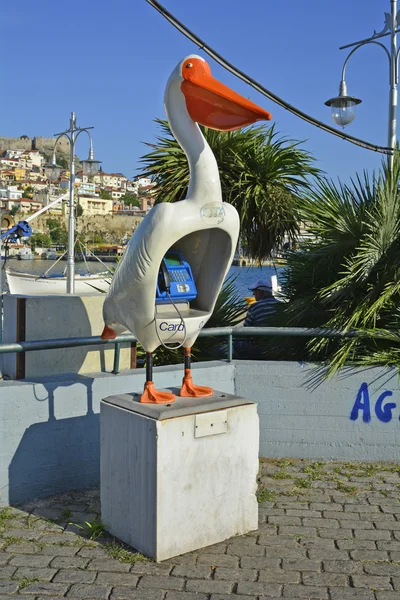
175,478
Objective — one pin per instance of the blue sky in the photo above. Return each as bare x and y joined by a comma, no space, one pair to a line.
109,63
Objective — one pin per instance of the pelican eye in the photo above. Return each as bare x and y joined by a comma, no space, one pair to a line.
189,65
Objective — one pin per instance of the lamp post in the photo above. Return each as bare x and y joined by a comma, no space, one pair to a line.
343,107
90,168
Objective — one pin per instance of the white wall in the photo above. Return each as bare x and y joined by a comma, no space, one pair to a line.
354,416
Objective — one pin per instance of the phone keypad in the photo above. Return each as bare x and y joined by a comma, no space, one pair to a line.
180,275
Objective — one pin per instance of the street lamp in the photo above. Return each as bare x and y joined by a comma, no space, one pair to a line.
343,107
52,170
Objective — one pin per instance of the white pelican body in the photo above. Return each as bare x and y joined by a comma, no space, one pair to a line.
202,227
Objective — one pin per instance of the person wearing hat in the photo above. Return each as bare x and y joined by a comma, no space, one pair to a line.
263,307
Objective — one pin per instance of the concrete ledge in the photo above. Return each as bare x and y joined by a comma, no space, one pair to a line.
353,416
49,427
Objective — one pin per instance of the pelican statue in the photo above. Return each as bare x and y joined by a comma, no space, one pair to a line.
201,228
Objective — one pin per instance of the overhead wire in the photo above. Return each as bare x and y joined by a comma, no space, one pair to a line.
257,86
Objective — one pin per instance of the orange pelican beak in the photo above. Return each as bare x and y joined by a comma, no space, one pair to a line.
212,103
108,333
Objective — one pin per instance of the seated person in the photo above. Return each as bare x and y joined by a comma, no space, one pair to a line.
257,316
263,307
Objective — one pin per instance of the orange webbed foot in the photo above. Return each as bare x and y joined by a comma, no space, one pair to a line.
152,396
189,389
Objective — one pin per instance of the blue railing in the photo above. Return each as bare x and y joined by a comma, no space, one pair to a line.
227,332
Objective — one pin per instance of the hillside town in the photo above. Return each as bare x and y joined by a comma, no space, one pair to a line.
25,188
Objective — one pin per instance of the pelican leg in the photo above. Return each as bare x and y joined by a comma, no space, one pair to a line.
188,387
150,394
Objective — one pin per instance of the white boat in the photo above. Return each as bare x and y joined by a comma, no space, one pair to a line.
27,284
25,254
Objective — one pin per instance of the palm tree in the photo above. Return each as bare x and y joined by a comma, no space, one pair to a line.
261,175
347,276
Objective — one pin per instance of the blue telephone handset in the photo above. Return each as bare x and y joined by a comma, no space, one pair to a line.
175,279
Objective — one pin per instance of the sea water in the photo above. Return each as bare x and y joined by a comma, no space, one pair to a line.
245,276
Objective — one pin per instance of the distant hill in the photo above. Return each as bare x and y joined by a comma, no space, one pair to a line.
43,144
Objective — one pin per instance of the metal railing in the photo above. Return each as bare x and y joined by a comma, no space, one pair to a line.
227,332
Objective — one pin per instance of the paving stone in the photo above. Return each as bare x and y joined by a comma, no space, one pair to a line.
129,593
388,545
221,548
74,576
394,556
304,591
54,550
53,514
69,562
185,596
279,552
259,562
24,548
165,583
58,538
336,534
192,571
326,506
30,560
325,579
360,508
292,505
34,573
370,581
107,565
186,559
300,530
318,554
312,543
301,565
230,597
207,586
4,558
222,560
390,525
279,576
258,589
245,549
24,534
20,597
396,583
355,524
86,552
381,568
265,529
7,572
116,578
356,544
152,568
330,523
284,520
310,514
383,595
46,589
367,534
342,566
235,574
79,590
347,593
351,516
280,540
374,555
376,517
7,586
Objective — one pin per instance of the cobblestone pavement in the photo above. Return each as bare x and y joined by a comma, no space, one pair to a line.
327,531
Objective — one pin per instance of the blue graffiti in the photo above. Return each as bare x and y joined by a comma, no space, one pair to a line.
363,404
